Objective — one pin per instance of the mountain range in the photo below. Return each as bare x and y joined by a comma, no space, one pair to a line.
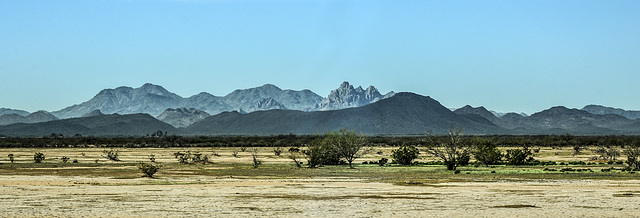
269,110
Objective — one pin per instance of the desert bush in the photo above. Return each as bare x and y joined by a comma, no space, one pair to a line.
186,157
152,158
277,151
111,154
148,169
405,154
379,153
243,149
11,157
38,157
65,159
75,160
234,153
487,154
383,161
256,162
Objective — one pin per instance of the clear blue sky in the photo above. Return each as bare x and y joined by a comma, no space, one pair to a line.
522,56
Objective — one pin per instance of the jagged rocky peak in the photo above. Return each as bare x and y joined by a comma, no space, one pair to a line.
346,96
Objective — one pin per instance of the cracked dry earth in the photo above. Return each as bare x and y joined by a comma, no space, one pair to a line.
45,196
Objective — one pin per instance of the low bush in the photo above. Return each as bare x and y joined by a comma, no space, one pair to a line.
148,169
11,157
405,154
112,154
383,161
38,157
65,159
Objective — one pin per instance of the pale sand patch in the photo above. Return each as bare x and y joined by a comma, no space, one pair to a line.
30,196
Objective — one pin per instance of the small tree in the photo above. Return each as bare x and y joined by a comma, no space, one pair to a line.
11,157
38,157
148,169
348,144
294,155
487,153
451,150
405,154
518,156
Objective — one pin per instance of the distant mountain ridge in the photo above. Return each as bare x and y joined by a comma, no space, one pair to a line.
35,117
153,99
602,110
4,111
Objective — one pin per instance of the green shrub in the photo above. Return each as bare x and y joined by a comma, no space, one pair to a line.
383,161
38,157
405,154
148,169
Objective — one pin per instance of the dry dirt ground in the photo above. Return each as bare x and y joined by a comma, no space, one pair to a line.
30,196
26,195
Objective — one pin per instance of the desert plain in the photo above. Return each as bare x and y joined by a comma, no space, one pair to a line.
231,187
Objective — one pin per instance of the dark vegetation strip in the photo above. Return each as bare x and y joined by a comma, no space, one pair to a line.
56,141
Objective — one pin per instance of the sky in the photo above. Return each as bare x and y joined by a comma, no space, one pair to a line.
508,56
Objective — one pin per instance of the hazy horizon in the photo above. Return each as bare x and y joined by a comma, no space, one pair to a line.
508,56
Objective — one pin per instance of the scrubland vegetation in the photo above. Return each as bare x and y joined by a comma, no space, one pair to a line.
498,156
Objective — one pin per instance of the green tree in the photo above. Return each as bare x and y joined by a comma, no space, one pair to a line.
518,156
633,156
487,153
349,145
451,149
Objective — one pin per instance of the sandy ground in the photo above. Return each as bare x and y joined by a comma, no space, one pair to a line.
37,196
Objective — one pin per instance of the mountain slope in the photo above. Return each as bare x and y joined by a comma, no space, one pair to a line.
182,117
404,113
103,125
480,111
